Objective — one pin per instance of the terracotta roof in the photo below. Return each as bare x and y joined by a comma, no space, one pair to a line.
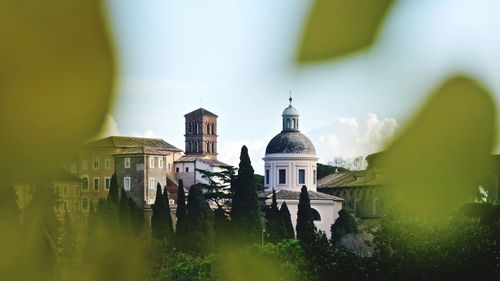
199,112
211,162
284,194
133,142
369,177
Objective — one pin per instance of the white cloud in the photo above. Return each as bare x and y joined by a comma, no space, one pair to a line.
145,134
229,153
109,127
349,137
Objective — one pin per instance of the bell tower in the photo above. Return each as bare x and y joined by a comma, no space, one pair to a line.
201,133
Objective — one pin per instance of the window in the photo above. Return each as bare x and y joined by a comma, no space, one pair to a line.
267,176
126,184
293,124
96,184
107,164
85,184
208,128
176,169
65,190
213,150
151,183
85,203
187,169
356,204
73,167
85,164
376,207
151,162
126,162
208,146
191,128
95,162
160,162
315,214
288,123
314,177
282,176
302,176
169,167
107,183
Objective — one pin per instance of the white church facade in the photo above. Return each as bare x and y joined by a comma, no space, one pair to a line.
290,163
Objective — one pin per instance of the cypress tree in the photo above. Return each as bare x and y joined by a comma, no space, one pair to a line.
180,226
199,224
343,225
68,243
136,216
9,210
156,218
169,230
40,220
245,214
124,213
287,222
274,225
305,225
113,195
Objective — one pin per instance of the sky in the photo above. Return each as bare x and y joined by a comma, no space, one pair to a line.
235,59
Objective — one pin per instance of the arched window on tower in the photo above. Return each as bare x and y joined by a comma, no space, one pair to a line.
190,146
190,128
288,123
208,146
196,128
196,146
293,124
316,215
208,128
213,150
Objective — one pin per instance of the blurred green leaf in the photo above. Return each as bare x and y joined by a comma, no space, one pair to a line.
338,27
437,161
56,76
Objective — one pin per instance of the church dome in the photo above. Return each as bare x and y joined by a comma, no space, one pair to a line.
290,142
290,111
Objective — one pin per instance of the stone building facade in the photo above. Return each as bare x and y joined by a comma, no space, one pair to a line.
362,191
148,160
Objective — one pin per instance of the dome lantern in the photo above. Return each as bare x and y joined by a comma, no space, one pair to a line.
290,118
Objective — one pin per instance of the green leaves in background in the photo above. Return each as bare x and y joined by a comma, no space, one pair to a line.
56,75
339,27
439,158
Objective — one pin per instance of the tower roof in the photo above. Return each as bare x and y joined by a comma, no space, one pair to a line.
290,111
200,112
